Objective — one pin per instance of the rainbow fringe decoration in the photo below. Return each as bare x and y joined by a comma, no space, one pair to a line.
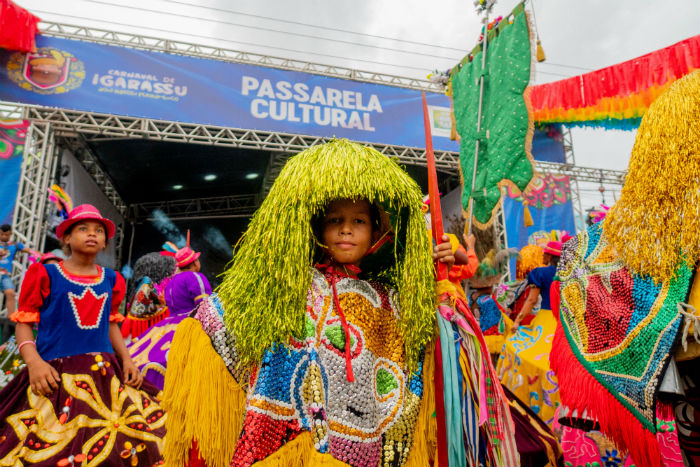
60,198
617,96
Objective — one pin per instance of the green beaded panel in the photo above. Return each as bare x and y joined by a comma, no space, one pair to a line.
506,136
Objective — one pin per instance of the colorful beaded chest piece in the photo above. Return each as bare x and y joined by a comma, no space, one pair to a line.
303,386
618,327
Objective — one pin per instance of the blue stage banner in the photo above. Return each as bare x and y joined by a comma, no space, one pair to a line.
548,198
548,145
118,80
12,136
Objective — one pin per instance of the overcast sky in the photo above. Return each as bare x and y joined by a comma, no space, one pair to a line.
406,37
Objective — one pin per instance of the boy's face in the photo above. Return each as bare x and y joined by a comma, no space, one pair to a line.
87,237
347,230
5,236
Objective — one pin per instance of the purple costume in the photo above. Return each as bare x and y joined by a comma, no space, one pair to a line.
150,350
184,292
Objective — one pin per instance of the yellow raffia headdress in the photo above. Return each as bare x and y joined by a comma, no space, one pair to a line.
531,257
264,290
656,223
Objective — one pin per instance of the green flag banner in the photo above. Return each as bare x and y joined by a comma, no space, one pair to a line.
506,132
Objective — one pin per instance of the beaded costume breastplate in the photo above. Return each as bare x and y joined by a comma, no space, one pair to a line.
620,326
304,386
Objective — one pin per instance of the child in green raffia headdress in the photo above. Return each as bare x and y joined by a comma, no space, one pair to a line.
264,291
328,306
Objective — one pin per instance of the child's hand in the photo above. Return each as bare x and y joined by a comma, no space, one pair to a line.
443,252
43,378
515,326
132,375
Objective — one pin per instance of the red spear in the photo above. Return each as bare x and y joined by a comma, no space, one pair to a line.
441,269
433,193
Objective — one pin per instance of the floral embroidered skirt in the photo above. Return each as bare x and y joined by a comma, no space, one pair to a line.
91,419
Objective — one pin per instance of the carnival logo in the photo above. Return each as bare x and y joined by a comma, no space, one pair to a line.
47,71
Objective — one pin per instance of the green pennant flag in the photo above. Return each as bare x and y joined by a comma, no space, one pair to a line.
506,132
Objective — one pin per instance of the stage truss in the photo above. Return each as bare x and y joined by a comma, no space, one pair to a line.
73,129
38,167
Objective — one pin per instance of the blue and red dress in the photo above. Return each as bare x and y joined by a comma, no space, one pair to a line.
92,418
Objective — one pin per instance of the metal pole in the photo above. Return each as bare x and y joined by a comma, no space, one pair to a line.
51,179
131,242
478,118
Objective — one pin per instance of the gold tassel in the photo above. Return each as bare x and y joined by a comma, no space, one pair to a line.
300,452
541,57
203,401
527,217
424,447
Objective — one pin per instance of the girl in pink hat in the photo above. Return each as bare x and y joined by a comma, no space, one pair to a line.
79,400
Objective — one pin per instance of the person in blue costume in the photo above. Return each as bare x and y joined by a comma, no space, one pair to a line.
8,250
523,365
76,401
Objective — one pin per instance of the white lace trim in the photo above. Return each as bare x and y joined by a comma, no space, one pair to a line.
63,273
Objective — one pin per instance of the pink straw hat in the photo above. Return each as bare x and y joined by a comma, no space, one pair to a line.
186,255
85,212
553,248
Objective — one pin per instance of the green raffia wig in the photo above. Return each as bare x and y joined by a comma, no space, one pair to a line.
264,290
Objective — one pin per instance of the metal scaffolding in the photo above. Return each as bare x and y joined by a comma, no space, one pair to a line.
29,220
82,152
80,149
184,209
96,126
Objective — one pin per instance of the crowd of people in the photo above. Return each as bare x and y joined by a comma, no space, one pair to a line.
330,342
